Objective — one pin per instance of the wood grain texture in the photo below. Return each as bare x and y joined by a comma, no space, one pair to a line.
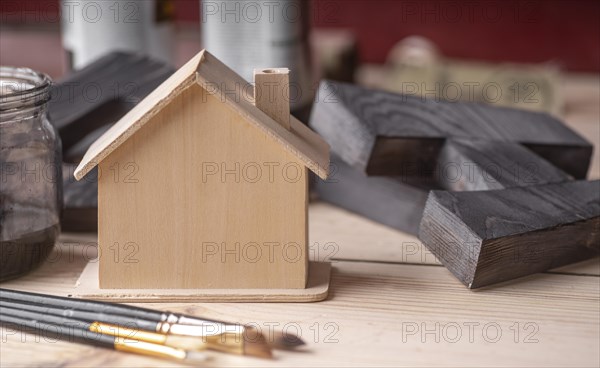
452,146
404,124
465,165
485,237
340,235
271,94
301,141
198,213
462,165
229,88
373,294
139,115
367,319
388,200
579,90
83,106
395,148
317,287
101,93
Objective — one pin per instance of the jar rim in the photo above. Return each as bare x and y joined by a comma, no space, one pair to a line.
23,87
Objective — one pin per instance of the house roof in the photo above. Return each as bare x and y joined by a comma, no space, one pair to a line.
214,76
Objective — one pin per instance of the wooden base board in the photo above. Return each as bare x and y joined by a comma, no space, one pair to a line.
316,290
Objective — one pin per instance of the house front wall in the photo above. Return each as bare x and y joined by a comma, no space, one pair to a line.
200,198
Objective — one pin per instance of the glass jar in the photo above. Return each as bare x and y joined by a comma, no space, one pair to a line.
30,172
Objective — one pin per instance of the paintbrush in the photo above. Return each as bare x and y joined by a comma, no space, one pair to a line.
76,332
235,335
277,339
125,329
215,338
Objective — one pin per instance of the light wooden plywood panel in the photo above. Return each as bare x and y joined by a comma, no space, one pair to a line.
317,287
213,203
139,115
367,321
232,89
342,235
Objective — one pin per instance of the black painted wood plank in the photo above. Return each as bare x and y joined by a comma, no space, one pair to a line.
102,93
468,164
398,201
80,198
363,125
485,237
387,200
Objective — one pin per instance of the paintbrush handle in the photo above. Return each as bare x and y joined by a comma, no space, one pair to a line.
87,316
45,318
82,304
79,331
69,333
95,306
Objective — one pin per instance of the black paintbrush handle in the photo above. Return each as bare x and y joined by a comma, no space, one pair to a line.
88,316
40,317
82,304
89,305
67,333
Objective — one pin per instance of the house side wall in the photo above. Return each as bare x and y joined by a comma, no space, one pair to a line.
199,198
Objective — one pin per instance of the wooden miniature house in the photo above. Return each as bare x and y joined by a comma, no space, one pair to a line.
205,185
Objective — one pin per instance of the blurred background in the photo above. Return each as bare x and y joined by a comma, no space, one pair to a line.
542,55
534,31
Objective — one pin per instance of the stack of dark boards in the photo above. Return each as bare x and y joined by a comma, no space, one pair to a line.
83,106
389,151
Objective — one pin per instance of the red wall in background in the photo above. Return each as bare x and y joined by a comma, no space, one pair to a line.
567,32
527,31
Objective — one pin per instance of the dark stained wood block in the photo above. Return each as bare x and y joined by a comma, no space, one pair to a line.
385,199
80,198
382,133
471,164
485,237
492,215
102,92
398,201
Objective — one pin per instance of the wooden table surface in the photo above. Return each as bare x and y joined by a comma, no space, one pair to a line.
391,303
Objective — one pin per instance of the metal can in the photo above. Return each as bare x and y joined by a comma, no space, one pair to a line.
247,35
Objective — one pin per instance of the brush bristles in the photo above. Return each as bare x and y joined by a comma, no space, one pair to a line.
255,344
285,341
185,342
